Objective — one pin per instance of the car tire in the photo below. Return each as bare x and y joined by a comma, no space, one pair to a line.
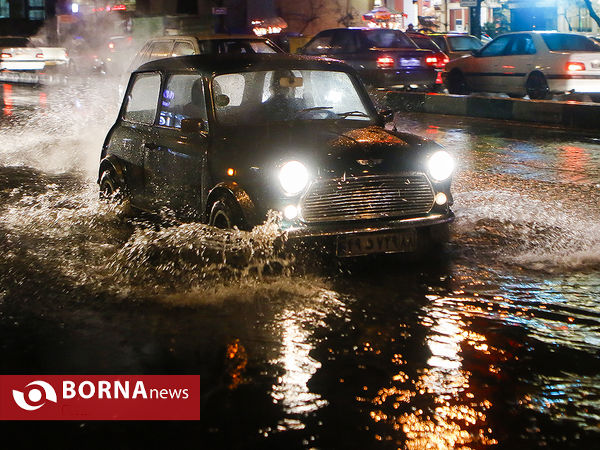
110,188
537,87
226,213
457,83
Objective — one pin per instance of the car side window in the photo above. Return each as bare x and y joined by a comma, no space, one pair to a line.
521,44
321,44
182,98
143,98
344,41
495,48
161,49
183,48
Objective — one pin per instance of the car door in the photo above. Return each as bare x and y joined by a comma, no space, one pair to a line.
519,60
485,68
345,45
137,131
175,164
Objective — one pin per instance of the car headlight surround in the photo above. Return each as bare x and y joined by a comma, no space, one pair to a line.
293,177
440,165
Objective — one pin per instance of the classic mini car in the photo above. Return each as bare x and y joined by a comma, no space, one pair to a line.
533,63
225,139
382,57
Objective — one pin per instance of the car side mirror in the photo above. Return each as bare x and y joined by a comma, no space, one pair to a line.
193,125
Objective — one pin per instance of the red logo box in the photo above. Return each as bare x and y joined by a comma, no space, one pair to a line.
99,397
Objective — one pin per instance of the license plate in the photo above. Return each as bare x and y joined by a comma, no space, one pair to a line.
410,62
370,243
596,65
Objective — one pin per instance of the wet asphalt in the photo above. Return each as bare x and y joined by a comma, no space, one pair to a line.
492,343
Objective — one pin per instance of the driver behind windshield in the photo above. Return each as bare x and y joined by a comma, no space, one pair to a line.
283,103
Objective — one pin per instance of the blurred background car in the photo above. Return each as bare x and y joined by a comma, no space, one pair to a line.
537,64
184,45
382,57
18,53
456,45
441,59
168,46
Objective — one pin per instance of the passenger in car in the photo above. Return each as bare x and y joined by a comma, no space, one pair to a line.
196,108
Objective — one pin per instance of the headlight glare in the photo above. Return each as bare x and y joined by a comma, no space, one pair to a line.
293,177
440,165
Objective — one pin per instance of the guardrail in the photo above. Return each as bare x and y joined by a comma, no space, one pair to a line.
566,114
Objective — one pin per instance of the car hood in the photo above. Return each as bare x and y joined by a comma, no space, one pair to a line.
330,150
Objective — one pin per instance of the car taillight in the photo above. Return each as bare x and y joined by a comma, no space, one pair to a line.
575,66
39,55
431,60
385,62
5,55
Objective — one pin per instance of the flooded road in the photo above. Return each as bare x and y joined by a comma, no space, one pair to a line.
492,344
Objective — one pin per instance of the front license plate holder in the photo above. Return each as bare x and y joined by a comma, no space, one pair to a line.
372,243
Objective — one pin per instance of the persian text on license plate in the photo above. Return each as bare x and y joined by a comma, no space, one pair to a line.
369,243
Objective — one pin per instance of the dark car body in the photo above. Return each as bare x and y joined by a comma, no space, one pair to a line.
228,169
382,57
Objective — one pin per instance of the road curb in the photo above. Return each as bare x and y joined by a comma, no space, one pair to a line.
566,114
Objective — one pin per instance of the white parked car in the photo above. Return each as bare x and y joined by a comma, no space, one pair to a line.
533,63
17,53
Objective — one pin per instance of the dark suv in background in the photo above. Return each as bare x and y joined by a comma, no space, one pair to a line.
382,57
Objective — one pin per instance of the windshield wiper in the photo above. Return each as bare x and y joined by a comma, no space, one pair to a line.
315,108
353,113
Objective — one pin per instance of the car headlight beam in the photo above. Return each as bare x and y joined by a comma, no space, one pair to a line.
293,177
440,165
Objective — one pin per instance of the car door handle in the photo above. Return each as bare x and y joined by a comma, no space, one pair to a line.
150,145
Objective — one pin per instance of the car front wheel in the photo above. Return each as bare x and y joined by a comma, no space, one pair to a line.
537,87
110,189
225,213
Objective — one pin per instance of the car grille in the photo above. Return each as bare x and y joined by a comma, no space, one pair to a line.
370,197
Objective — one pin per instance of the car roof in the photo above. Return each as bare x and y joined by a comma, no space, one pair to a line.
227,63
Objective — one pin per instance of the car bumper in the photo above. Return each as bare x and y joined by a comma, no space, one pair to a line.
403,79
574,83
349,228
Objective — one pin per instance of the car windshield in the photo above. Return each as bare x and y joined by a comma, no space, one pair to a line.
388,39
14,42
252,98
558,42
463,43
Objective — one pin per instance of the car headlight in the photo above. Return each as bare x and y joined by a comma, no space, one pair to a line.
293,177
440,165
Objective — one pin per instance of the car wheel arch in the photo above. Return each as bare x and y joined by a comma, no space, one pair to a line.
237,194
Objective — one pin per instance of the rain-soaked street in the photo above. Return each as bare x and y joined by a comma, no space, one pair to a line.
492,344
